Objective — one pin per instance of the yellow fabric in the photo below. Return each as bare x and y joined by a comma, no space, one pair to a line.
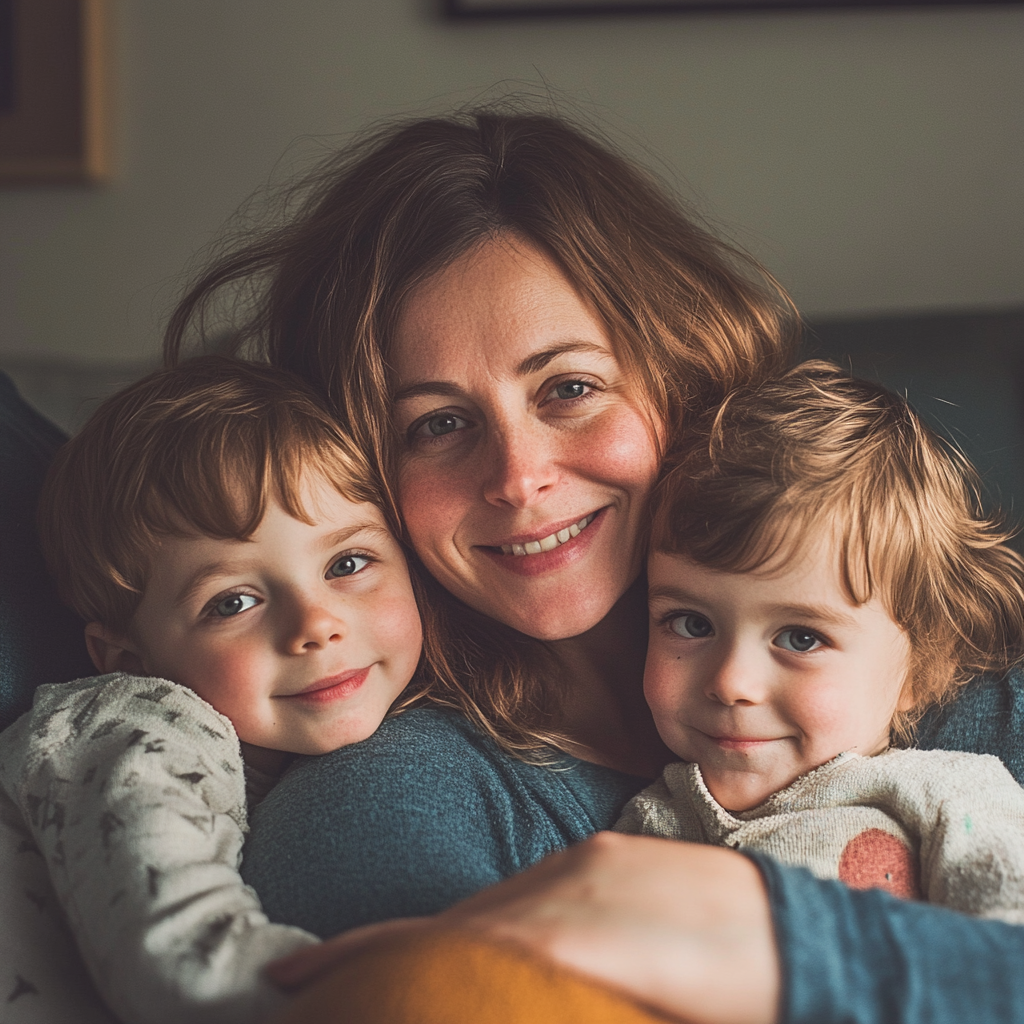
448,977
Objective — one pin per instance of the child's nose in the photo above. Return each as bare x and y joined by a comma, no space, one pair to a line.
316,627
735,680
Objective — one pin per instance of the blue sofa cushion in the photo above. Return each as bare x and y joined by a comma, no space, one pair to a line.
41,641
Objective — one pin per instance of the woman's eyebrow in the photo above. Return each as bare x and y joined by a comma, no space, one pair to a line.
432,388
537,361
531,364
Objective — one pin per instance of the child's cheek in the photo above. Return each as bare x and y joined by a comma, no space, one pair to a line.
233,679
665,683
823,711
393,628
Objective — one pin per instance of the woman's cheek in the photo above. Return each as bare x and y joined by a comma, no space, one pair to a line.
433,502
624,449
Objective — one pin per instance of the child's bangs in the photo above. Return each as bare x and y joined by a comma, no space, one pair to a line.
740,539
223,488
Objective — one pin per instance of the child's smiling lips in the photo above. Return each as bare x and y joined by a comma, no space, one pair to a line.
733,741
335,687
742,742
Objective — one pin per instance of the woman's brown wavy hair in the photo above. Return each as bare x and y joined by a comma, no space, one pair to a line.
819,455
690,317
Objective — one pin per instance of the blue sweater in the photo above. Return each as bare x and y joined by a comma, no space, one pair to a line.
423,813
428,811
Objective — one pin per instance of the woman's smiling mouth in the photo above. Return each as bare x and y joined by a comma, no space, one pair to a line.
536,556
551,541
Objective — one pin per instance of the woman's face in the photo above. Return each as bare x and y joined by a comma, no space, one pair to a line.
526,459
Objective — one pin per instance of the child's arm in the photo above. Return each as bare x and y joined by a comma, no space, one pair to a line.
133,790
972,834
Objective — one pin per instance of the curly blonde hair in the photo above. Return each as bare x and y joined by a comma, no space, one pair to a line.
197,450
817,449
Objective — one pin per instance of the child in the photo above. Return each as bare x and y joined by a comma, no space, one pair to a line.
226,544
820,575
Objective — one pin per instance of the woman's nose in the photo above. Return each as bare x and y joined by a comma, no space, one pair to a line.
313,627
519,467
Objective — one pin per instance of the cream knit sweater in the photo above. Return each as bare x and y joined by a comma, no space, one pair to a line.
122,814
923,824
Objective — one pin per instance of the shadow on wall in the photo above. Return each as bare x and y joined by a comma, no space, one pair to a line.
962,372
67,392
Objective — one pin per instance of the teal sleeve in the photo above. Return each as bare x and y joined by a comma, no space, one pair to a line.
986,718
852,957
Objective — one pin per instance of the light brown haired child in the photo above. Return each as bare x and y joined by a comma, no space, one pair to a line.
231,552
821,573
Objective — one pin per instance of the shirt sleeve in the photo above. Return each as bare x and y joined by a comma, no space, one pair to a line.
865,957
133,791
987,717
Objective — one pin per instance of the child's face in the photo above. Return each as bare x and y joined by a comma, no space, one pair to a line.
760,677
303,635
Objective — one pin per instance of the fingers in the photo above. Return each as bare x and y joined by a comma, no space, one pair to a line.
306,965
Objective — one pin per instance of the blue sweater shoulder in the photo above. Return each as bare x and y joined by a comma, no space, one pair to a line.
987,717
426,811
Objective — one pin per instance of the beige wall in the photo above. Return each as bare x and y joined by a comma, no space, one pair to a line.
873,160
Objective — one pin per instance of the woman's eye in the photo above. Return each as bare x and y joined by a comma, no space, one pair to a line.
798,640
692,625
347,565
234,604
439,425
571,389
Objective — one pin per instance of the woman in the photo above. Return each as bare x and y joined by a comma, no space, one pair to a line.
517,323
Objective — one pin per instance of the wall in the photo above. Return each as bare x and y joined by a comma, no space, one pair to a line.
872,159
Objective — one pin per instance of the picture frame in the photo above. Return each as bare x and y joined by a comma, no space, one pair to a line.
53,96
476,9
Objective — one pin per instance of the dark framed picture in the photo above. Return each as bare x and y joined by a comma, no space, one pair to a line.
538,8
52,96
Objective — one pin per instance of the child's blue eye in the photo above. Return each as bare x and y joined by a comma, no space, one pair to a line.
692,625
348,565
799,640
234,604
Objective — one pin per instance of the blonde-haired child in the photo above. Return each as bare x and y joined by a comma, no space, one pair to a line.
245,594
820,574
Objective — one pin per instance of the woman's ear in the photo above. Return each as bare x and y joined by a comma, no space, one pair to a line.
111,652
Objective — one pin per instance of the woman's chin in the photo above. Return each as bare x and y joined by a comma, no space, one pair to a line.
554,613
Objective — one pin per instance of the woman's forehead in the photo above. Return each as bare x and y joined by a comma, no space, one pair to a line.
502,307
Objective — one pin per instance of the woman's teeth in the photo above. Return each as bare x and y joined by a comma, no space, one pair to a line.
549,543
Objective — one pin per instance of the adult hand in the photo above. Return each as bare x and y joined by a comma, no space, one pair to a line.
685,929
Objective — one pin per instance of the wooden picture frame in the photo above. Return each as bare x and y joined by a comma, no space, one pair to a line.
53,100
474,9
